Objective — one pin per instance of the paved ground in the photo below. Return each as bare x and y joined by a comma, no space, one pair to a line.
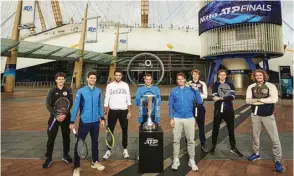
23,142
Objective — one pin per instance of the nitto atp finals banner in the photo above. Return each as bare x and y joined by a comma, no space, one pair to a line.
223,13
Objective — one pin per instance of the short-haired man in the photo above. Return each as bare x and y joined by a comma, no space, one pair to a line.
118,104
181,101
262,114
59,91
199,109
89,101
223,93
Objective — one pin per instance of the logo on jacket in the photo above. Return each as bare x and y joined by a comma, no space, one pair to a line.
64,93
118,91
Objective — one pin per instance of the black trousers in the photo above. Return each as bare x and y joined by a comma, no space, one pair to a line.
229,117
53,133
121,115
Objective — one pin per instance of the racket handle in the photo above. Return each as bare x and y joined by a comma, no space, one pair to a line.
74,131
52,124
255,110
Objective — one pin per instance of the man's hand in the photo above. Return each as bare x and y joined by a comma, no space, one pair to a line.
216,98
172,123
61,118
102,123
129,115
72,126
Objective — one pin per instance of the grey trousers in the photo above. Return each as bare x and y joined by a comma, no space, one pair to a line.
188,125
270,126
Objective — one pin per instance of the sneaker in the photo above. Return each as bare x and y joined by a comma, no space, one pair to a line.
236,152
47,163
67,159
204,148
76,172
107,154
278,166
176,164
97,165
138,158
126,154
254,157
212,150
192,165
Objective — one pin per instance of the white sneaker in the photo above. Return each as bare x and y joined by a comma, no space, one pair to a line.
176,164
76,172
138,158
193,165
107,154
126,154
98,166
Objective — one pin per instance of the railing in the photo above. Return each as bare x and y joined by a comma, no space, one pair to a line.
35,84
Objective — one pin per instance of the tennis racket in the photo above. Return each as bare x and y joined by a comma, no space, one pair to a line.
109,140
61,107
82,148
224,90
259,91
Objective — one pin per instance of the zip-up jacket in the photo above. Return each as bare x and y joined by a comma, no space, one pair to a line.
155,103
226,103
54,94
89,101
268,108
181,102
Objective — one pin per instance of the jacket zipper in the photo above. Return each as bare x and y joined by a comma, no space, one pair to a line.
92,106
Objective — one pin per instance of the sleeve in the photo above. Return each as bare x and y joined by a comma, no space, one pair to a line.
138,97
49,102
129,102
249,95
70,98
107,96
100,106
273,95
197,96
158,95
204,88
171,102
75,108
232,94
214,90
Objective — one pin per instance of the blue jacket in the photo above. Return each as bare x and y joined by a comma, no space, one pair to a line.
89,101
156,103
181,102
227,102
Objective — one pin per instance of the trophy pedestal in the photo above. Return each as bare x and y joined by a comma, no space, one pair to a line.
151,151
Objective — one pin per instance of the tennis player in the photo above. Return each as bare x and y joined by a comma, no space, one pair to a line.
264,115
63,121
89,101
181,101
117,105
223,110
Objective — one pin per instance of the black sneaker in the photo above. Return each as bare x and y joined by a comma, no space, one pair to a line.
204,148
47,163
212,150
67,159
236,152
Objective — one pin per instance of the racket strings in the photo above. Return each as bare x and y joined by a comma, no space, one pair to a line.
82,149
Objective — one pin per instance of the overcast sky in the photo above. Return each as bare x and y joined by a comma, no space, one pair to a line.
177,12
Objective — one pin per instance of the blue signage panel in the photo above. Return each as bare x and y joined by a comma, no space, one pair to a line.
223,13
286,82
10,70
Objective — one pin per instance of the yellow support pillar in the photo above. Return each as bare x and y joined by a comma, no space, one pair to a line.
10,67
78,69
144,13
42,21
112,67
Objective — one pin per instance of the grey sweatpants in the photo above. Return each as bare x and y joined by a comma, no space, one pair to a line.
270,126
188,125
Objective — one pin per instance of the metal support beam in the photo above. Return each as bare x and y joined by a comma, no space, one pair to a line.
31,51
250,63
214,71
52,52
67,54
265,63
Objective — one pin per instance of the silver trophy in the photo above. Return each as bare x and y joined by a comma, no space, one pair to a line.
149,125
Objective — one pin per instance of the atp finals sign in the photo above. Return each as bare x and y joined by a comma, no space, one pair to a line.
223,13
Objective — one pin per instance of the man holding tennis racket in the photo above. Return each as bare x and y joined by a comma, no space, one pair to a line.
263,95
60,96
89,101
223,94
181,101
117,105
